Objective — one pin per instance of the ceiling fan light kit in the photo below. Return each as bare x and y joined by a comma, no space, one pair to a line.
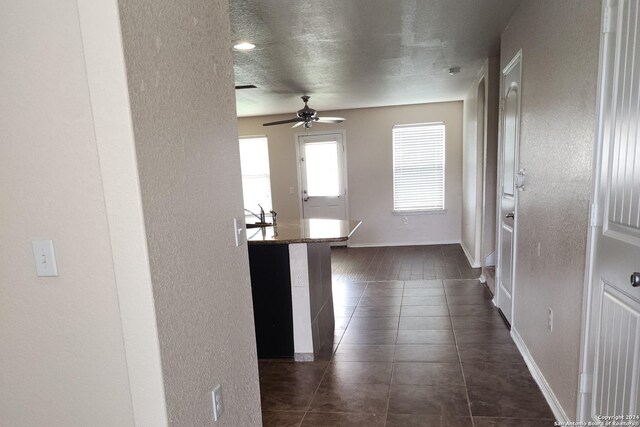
306,116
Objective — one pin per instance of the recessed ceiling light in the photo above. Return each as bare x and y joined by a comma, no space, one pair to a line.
244,46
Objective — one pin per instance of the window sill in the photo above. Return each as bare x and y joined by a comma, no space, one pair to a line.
429,212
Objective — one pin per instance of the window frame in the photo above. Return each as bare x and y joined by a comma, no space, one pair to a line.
255,208
425,210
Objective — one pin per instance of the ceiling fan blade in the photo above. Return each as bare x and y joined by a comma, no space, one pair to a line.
282,122
330,119
297,124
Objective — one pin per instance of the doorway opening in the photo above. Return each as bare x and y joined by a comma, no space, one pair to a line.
322,175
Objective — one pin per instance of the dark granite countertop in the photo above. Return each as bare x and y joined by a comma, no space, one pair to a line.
303,231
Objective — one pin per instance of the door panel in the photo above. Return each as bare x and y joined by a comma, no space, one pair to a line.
322,176
511,118
613,335
505,288
510,130
617,355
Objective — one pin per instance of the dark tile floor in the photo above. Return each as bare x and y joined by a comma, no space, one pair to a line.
413,348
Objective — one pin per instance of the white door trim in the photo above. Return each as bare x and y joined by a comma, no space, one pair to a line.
296,138
596,213
517,59
481,154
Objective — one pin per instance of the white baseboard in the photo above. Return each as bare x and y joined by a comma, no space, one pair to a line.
472,262
379,245
552,400
303,357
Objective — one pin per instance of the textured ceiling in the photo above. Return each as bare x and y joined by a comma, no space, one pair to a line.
361,53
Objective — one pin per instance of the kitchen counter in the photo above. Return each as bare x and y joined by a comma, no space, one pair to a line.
303,231
290,266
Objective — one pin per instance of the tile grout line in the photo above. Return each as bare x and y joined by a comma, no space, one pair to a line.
455,338
316,391
350,317
306,412
393,358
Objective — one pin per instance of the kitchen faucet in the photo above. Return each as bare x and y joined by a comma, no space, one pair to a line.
260,217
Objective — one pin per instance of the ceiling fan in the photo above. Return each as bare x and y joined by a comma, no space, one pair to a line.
306,117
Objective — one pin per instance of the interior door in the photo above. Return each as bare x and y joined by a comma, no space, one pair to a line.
614,326
510,131
322,176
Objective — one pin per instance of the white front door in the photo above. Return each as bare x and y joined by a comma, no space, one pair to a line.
322,175
510,131
612,371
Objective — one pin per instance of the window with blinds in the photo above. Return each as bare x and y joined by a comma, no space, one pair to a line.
256,177
418,167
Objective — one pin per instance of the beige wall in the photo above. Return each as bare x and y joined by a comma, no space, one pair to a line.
369,168
559,41
180,74
84,348
62,353
108,89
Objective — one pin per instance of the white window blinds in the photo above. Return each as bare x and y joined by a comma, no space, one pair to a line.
418,167
256,178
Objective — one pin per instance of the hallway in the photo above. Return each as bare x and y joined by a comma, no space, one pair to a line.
418,343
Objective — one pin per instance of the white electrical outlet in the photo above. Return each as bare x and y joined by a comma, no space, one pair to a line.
550,324
216,395
238,227
45,258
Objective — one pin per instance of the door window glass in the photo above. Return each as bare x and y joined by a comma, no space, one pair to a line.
321,164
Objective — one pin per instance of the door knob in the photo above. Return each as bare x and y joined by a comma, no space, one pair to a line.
635,279
510,215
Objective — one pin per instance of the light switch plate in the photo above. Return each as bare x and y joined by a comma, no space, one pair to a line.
45,258
238,227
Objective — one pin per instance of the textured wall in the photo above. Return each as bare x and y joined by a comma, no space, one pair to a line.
62,356
180,75
559,41
370,171
106,75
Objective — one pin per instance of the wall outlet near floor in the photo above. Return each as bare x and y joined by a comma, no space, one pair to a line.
216,396
550,322
405,220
